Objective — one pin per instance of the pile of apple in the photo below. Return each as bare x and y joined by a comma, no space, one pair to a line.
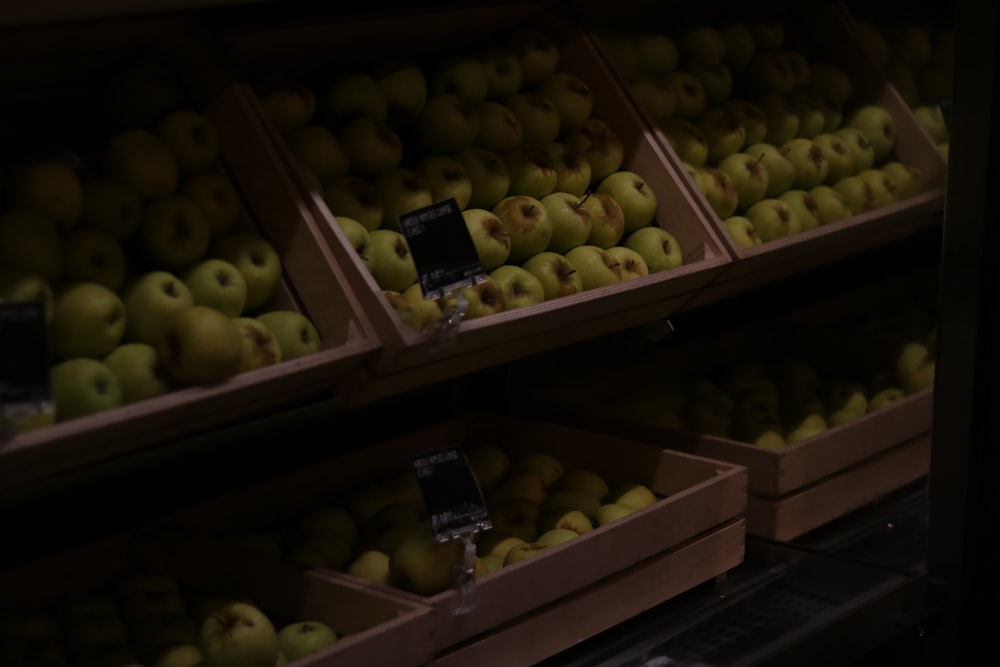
505,132
145,619
772,137
380,531
140,250
919,60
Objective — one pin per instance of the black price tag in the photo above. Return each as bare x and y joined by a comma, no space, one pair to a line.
24,370
451,494
442,248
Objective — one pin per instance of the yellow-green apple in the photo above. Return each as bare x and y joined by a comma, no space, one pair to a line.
201,345
630,263
657,246
573,173
583,501
535,50
392,264
140,92
352,94
810,426
405,489
358,237
525,484
192,138
773,219
297,335
557,274
302,638
554,537
384,528
139,371
700,43
489,176
489,236
740,44
861,147
256,258
716,79
811,113
239,635
597,143
500,128
424,566
653,95
371,146
687,140
215,193
742,231
371,565
839,158
537,116
459,74
692,99
325,155
53,186
750,116
141,160
809,160
782,121
830,205
805,207
633,194
111,206
915,367
495,543
17,285
447,179
88,320
780,171
488,564
30,242
596,266
908,178
931,119
483,298
151,300
830,82
329,520
885,397
92,255
528,225
489,464
723,132
882,184
857,194
531,171
260,345
571,95
845,401
403,308
401,190
405,87
519,552
83,386
503,70
571,225
771,73
607,219
516,517
650,51
173,233
354,197
446,124
217,283
718,188
286,104
610,512
749,176
181,655
562,517
582,479
520,288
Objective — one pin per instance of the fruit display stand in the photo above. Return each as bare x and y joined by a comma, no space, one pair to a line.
824,32
498,337
51,90
692,533
121,585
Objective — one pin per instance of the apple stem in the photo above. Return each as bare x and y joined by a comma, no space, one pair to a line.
757,161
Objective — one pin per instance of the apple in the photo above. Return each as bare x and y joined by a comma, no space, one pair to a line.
915,367
632,494
519,552
857,194
723,131
687,140
654,96
782,120
692,99
862,150
548,466
749,177
607,219
392,264
489,175
573,173
780,171
405,87
882,185
535,50
427,312
110,206
537,115
718,189
528,225
217,283
830,205
812,119
460,74
838,156
447,179
354,197
286,104
751,117
811,167
845,401
218,199
520,288
91,255
401,190
932,121
484,298
151,300
88,320
503,71
446,124
657,246
531,170
424,566
521,484
656,52
582,479
83,386
878,125
571,96
192,138
555,272
256,258
173,232
150,635
201,345
140,92
358,237
908,178
740,44
181,655
805,207
261,346
596,266
489,236
371,145
53,186
297,335
611,512
773,219
302,638
633,194
554,537
497,544
141,160
515,517
489,464
830,82
352,94
742,231
17,285
239,634
500,129
717,80
571,225
630,263
371,565
30,242
770,73
597,143
139,371
404,309
700,43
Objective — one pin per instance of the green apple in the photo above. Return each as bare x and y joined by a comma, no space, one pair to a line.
932,121
489,463
401,190
52,186
687,140
780,171
653,95
260,345
352,94
88,320
239,635
218,198
489,175
460,74
811,112
657,246
181,655
141,160
573,173
83,386
537,116
522,484
885,397
857,194
519,552
558,276
582,501
718,188
302,638
839,157
810,426
17,285
830,82
91,255
371,565
571,225
805,207
531,170
497,544
217,283
634,195
447,179
405,87
611,512
915,367
811,167
256,258
773,219
192,138
500,129
286,104
535,49
830,205
111,206
358,238
716,79
630,263
446,123
503,71
723,132
908,178
489,235
404,309
30,242
151,300
297,335
139,371
354,197
554,537
742,231
751,117
782,120
424,566
692,99
607,220
596,266
597,142
571,95
520,288
845,401
483,298
173,233
515,517
201,345
861,148
392,264
527,223
632,494
882,185
371,146
749,177
584,480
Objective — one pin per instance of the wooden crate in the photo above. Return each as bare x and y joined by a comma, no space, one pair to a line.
376,629
55,71
514,333
700,497
826,31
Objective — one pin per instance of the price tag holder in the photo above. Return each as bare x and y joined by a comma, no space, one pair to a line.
25,393
456,510
445,257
